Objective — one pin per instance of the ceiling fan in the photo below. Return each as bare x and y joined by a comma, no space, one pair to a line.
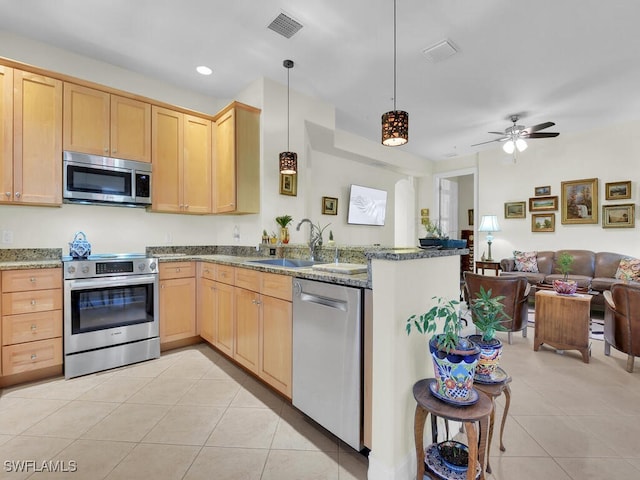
514,136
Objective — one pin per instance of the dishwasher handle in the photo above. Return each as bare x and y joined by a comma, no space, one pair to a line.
324,301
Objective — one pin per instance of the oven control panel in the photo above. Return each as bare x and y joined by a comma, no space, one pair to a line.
75,269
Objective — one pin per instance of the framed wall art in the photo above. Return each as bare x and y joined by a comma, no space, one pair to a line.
617,190
288,184
470,217
580,201
542,191
329,206
515,209
541,204
543,222
619,216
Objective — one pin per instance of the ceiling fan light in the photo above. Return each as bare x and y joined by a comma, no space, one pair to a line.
395,128
508,147
521,145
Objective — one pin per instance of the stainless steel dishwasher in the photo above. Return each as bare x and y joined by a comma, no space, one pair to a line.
327,357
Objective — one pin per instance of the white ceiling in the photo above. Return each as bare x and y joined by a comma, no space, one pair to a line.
573,62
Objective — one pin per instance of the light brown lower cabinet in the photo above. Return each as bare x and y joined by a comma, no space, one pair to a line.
247,315
31,320
177,301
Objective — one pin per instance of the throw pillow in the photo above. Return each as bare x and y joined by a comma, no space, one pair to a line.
629,269
526,261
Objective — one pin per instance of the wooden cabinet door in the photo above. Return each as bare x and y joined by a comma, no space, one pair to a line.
224,189
86,120
130,129
246,344
206,309
168,143
224,320
196,166
276,343
177,309
37,147
6,133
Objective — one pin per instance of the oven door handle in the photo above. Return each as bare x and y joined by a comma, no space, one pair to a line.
93,283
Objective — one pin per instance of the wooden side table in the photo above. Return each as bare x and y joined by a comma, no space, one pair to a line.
562,321
478,412
494,391
484,264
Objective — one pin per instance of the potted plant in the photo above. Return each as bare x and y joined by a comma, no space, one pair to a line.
565,286
284,222
454,357
434,237
265,236
488,317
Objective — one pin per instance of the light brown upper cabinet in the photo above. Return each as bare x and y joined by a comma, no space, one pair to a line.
105,124
181,162
31,138
237,160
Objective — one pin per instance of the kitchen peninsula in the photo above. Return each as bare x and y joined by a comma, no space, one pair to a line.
398,283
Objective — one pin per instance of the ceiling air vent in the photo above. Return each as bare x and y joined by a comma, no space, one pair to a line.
440,51
285,25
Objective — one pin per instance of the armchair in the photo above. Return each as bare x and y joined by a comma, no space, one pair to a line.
515,290
622,321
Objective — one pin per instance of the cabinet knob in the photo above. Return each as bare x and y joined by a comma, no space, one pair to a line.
115,150
106,149
186,206
178,269
18,194
8,194
32,279
34,327
33,356
33,302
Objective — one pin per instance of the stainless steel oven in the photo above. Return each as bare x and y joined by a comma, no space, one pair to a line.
110,312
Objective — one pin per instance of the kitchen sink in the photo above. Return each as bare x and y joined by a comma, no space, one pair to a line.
285,262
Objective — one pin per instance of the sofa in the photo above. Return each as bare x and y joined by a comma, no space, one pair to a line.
596,271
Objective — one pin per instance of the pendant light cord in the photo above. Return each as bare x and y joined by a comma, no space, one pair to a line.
394,55
288,109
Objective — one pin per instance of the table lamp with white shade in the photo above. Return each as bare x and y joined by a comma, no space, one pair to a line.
489,224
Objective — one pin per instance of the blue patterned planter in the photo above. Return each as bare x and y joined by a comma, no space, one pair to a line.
490,355
454,372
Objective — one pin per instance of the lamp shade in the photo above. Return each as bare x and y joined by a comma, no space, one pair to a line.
395,128
489,223
288,163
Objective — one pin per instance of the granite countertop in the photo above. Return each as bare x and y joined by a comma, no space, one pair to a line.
17,259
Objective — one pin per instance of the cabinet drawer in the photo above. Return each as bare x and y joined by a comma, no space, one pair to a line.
31,356
177,270
207,270
248,279
31,326
31,302
274,285
225,274
27,280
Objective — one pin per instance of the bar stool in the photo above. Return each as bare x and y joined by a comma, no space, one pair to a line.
479,412
494,391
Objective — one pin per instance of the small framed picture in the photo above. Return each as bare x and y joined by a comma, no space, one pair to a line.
470,219
541,204
288,184
543,222
617,190
329,206
515,209
580,201
542,191
619,216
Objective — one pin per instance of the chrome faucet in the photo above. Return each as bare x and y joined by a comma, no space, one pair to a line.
314,236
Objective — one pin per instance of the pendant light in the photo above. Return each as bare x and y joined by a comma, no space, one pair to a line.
395,124
288,160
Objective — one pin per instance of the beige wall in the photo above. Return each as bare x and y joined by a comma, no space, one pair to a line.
114,229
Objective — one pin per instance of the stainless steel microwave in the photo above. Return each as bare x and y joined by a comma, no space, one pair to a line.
105,180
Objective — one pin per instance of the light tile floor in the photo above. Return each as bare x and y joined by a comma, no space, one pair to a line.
193,415
190,414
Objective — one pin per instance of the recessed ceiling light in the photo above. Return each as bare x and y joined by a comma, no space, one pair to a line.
204,70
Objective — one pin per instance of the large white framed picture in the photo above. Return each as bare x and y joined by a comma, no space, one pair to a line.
367,206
